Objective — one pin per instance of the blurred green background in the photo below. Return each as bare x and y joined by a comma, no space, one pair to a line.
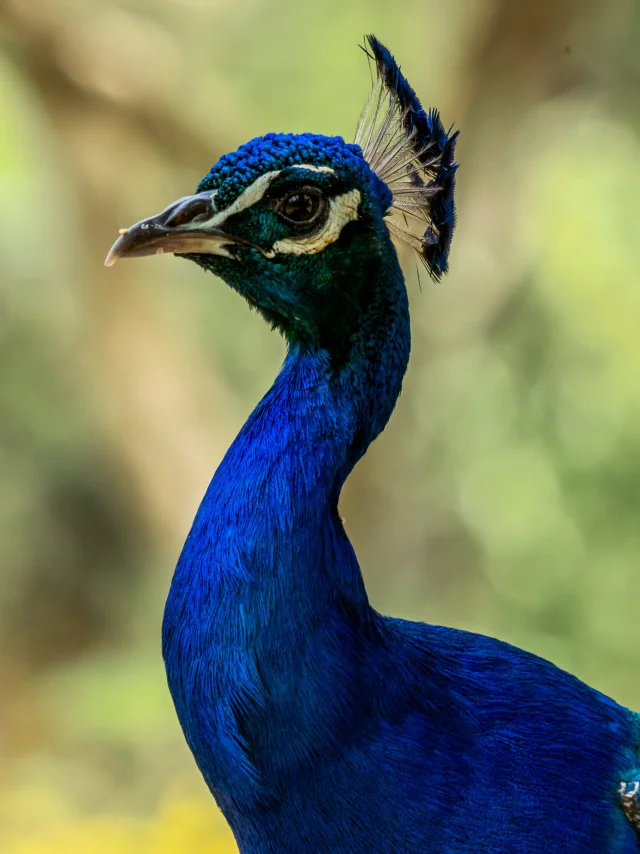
504,497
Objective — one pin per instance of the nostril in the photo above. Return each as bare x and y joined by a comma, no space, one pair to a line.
195,209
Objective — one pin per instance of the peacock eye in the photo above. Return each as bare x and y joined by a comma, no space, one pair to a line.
304,207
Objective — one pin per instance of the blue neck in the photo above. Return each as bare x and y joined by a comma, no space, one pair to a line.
267,571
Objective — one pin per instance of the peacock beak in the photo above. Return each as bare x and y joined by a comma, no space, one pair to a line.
187,225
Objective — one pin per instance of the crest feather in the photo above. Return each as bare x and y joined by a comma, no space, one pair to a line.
409,149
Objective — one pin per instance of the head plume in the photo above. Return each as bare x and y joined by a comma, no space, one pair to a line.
409,149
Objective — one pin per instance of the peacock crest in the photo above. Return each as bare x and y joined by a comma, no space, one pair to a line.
409,149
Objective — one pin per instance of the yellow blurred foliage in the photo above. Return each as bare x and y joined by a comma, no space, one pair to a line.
182,825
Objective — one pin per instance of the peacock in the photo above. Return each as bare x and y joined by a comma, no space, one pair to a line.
318,724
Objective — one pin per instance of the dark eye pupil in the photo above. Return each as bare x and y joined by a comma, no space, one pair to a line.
300,207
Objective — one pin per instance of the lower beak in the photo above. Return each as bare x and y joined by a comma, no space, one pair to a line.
187,225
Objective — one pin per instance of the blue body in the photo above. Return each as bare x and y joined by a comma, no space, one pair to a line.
321,726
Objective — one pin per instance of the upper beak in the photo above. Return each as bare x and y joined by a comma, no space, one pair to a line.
187,225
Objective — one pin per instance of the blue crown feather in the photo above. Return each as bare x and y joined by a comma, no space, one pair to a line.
410,150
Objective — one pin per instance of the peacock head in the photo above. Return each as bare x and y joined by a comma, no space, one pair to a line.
299,224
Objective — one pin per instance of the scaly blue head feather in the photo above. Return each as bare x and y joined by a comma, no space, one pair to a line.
236,171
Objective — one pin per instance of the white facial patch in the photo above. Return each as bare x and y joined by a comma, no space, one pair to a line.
342,209
246,199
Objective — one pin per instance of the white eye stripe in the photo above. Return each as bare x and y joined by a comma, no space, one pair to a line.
253,193
342,209
311,168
